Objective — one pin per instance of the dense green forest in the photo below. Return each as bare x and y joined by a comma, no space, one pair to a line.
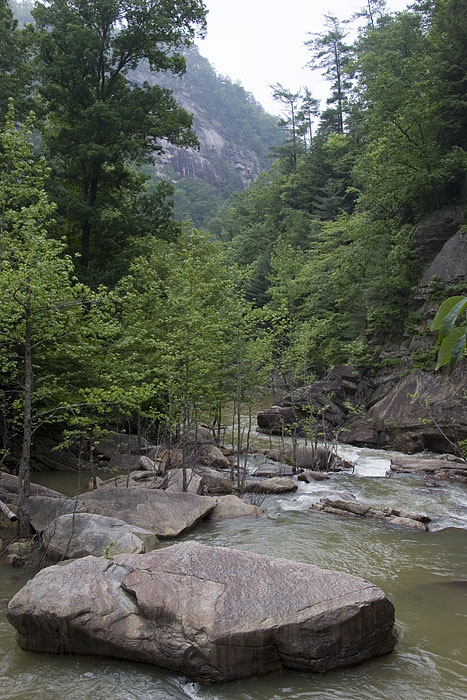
112,309
326,234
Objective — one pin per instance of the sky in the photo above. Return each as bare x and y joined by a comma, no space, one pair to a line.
261,42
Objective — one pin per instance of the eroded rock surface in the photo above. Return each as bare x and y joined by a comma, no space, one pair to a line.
84,534
164,514
211,613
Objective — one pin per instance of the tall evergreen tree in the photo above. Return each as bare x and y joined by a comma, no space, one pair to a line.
99,121
330,54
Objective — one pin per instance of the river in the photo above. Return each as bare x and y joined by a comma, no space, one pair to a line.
424,574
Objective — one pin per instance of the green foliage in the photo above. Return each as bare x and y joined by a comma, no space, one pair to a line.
100,122
452,339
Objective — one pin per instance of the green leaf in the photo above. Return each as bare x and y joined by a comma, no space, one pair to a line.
450,318
449,345
443,310
457,352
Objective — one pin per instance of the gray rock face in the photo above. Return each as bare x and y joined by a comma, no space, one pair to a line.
164,514
211,613
84,534
423,412
450,265
432,233
44,509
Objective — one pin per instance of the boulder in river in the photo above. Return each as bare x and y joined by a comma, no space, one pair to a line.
82,534
212,613
230,506
276,485
442,468
165,514
391,516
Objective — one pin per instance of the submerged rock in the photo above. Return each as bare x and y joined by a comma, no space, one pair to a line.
391,516
211,613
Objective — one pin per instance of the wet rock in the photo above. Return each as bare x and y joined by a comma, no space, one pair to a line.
211,613
314,457
275,485
228,507
396,517
15,560
310,476
269,470
407,523
438,468
165,514
84,534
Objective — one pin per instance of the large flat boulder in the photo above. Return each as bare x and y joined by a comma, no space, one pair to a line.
165,514
211,613
83,534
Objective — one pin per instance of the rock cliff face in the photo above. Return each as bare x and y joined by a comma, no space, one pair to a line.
234,132
397,406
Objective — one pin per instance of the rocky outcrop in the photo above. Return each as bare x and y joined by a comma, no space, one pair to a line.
84,534
390,516
324,404
423,412
211,613
438,468
433,231
165,514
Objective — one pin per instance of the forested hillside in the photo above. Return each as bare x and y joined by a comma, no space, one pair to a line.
235,137
327,235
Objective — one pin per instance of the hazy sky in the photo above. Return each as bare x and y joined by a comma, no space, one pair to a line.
260,42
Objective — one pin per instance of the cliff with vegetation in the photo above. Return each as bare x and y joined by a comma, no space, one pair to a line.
235,137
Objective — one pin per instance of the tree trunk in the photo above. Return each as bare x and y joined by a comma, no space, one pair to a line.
24,525
86,228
